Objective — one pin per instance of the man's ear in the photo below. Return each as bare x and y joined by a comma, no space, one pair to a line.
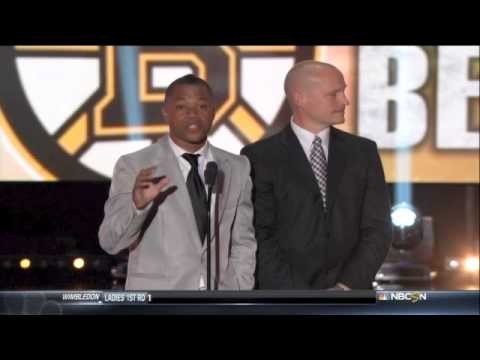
164,112
298,99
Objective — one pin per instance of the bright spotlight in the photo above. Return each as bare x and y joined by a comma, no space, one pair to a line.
403,215
25,263
78,263
470,264
453,264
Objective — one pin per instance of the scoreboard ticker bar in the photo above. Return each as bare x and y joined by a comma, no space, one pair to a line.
258,302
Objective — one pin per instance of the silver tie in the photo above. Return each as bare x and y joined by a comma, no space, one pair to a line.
319,167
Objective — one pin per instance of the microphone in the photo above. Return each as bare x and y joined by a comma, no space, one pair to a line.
210,176
211,173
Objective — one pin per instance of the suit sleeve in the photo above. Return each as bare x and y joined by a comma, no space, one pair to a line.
244,245
273,272
375,229
122,223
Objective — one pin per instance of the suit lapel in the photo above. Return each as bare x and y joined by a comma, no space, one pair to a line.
223,182
298,165
337,156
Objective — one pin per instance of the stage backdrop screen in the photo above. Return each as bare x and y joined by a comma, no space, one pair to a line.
69,112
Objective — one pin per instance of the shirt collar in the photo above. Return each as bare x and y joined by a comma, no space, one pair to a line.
178,151
306,137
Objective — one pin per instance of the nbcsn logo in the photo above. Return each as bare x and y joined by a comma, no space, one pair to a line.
412,296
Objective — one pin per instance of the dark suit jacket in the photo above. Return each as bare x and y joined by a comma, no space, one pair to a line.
300,246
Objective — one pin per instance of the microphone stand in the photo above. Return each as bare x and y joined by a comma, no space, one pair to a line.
210,177
209,236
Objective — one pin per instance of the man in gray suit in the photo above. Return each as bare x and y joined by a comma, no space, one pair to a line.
157,204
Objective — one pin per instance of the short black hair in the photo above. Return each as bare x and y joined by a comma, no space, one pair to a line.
189,79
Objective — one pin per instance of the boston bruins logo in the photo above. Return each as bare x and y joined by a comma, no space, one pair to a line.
72,111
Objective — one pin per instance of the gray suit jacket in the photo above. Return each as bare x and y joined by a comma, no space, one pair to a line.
165,251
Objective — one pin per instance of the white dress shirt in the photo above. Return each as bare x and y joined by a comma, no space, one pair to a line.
306,138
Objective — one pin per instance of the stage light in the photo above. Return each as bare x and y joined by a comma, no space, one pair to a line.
470,264
25,263
408,261
407,232
453,264
79,263
403,215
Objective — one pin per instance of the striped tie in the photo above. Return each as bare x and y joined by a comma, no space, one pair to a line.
319,167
